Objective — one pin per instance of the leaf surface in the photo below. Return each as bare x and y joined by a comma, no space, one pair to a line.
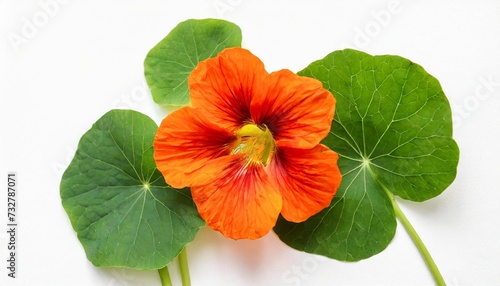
167,65
393,132
118,203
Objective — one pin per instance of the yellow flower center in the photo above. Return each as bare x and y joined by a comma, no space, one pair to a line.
256,143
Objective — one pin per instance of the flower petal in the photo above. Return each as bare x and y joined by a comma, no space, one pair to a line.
240,202
222,87
184,142
307,178
297,109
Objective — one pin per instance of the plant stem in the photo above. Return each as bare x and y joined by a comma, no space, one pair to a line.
418,242
165,276
183,265
412,232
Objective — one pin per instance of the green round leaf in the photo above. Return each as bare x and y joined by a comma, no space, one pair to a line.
169,63
118,202
393,131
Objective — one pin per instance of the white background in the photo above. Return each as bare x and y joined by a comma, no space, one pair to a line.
64,66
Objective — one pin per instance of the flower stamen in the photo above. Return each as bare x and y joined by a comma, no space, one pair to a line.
256,142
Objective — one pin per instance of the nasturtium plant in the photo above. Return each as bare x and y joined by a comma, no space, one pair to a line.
118,203
393,132
169,63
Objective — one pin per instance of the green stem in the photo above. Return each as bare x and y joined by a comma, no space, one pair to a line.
165,276
412,232
183,265
418,242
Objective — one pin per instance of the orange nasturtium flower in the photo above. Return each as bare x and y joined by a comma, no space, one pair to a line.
249,145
